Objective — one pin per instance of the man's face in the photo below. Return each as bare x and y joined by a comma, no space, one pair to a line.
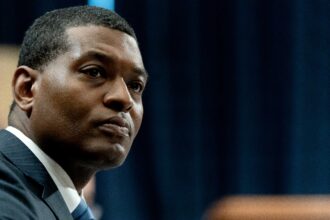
87,105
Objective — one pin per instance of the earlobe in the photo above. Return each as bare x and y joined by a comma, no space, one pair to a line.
24,86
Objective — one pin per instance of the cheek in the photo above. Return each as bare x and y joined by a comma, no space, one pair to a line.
63,103
137,116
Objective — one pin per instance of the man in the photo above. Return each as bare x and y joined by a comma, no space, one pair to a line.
77,109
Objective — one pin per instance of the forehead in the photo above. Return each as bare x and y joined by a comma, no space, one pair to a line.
111,42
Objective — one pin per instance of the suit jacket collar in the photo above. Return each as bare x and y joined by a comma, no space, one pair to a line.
15,151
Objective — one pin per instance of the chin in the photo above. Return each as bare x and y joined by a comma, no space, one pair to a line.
101,163
116,163
110,164
102,155
111,159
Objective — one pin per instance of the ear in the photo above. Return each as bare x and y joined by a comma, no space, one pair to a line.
24,86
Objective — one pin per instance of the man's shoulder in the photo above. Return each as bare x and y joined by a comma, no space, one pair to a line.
15,199
7,139
8,170
20,195
13,179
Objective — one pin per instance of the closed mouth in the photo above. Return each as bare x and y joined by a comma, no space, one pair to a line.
114,129
115,126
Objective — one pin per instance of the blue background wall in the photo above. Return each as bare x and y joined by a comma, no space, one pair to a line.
237,103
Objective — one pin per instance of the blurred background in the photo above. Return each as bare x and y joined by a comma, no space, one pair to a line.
237,103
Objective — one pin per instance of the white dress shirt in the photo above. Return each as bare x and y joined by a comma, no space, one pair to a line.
57,173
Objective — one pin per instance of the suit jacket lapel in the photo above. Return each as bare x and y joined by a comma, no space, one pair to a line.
60,210
14,150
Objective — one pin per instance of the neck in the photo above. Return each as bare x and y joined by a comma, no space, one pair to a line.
20,120
80,176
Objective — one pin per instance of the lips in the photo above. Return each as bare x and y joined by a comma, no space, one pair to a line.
115,126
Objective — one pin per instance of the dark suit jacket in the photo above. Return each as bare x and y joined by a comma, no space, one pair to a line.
26,189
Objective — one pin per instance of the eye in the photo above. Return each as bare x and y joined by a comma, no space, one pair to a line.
136,86
94,72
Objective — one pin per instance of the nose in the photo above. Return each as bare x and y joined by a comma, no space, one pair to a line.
118,97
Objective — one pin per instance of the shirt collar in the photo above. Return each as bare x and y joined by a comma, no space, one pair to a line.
57,173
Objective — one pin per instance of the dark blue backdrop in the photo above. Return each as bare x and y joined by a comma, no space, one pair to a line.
238,102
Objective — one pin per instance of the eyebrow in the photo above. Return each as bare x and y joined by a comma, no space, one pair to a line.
108,58
141,72
98,55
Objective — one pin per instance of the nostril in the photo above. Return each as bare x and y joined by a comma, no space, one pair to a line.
129,108
119,106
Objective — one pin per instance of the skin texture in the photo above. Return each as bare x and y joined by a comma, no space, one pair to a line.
84,108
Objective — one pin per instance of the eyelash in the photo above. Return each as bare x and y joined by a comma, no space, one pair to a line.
94,72
136,83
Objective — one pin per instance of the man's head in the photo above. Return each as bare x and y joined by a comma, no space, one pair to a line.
79,84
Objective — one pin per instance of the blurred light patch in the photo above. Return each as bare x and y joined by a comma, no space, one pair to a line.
108,4
8,63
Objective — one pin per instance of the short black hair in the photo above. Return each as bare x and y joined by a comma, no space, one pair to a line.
46,37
